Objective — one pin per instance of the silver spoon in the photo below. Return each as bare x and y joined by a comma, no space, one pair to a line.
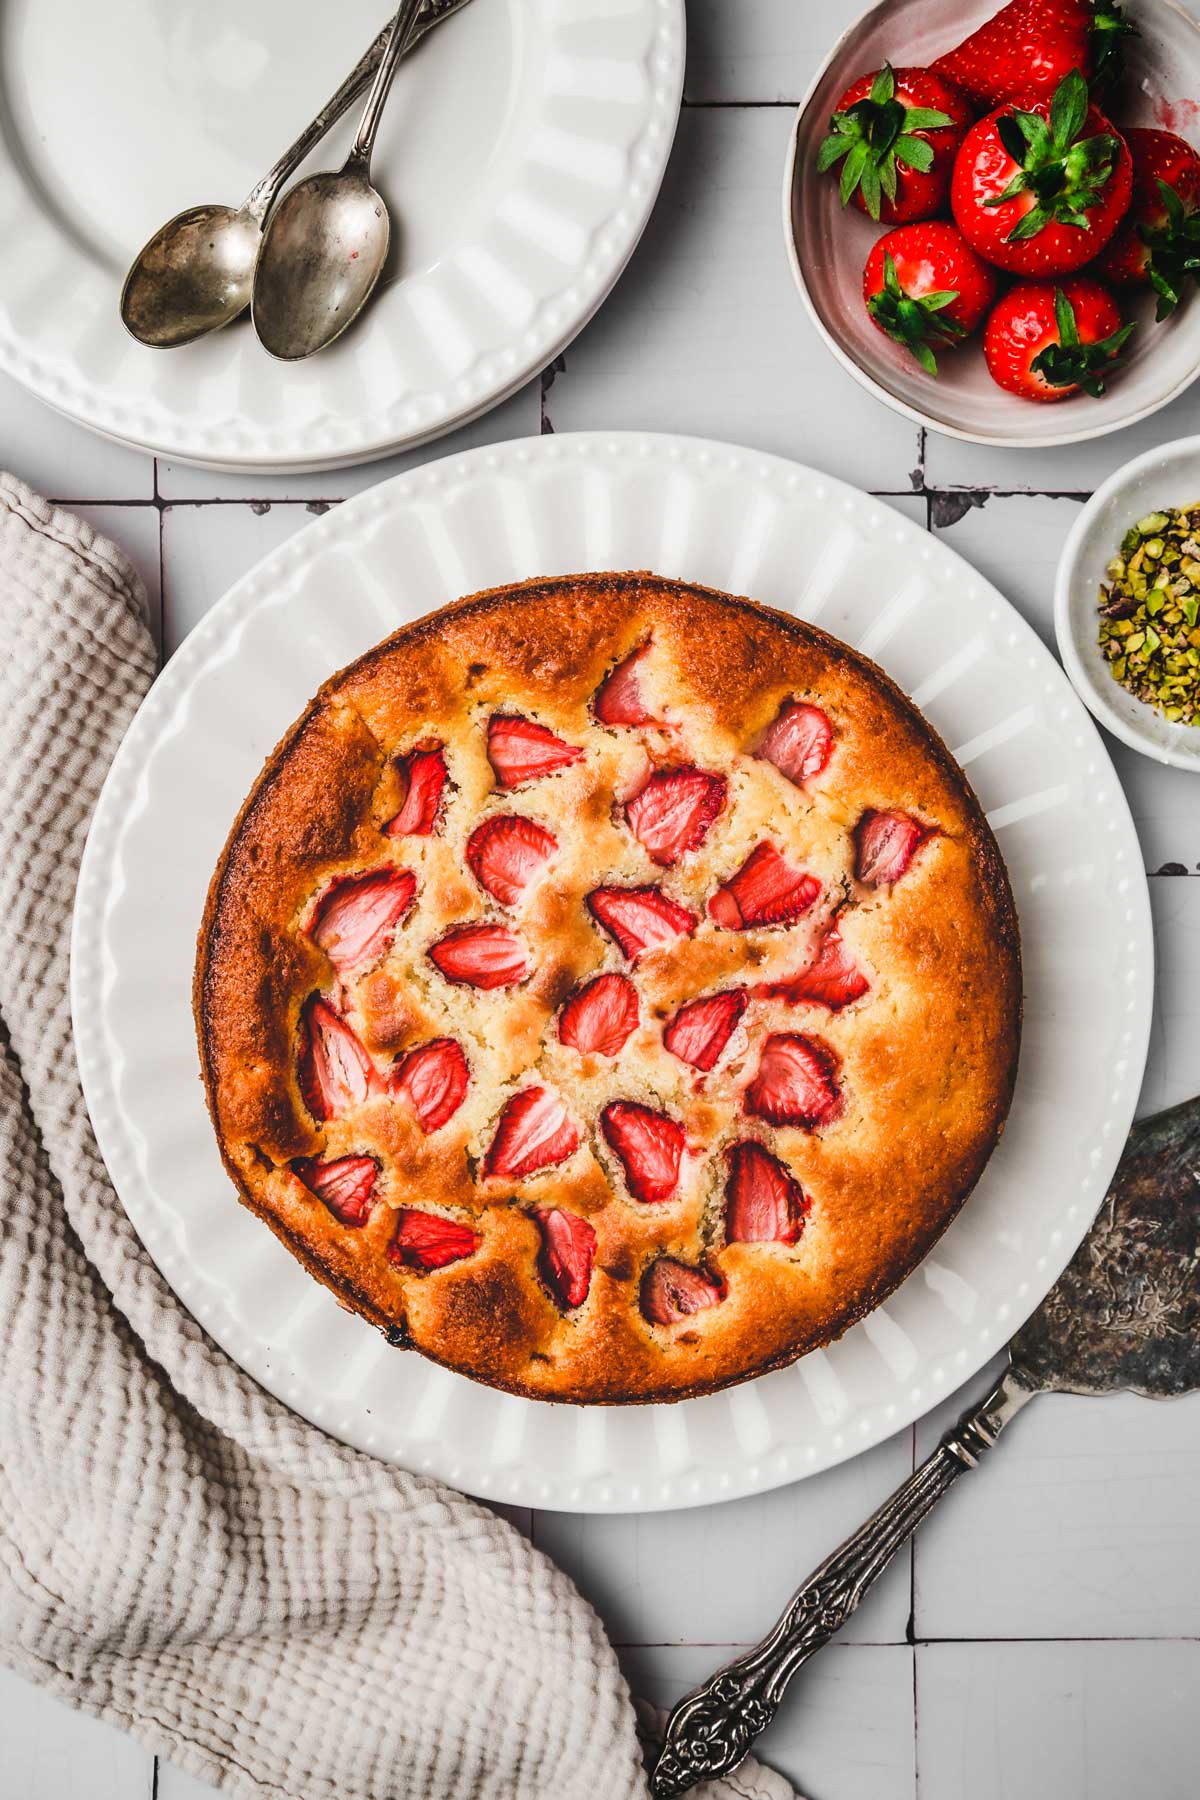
196,272
325,247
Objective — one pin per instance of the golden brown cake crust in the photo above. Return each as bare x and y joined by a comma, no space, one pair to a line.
925,1059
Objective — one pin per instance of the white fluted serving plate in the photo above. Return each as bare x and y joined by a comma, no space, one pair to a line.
521,153
749,524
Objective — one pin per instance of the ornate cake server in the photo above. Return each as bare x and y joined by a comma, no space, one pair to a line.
1125,1316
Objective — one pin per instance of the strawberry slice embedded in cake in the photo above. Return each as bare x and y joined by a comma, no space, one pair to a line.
425,1240
505,852
672,812
618,700
639,919
798,742
521,750
534,1132
333,1069
648,1145
832,979
699,1032
795,1083
568,1252
346,1185
764,1203
482,956
601,1016
766,890
672,1291
423,777
434,1079
885,844
356,918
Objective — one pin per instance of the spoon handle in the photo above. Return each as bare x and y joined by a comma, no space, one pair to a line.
389,62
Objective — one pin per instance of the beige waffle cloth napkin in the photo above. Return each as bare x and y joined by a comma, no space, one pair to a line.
179,1554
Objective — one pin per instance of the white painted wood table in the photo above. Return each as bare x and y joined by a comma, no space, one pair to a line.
1043,1640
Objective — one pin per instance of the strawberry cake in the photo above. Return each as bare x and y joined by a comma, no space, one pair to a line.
610,988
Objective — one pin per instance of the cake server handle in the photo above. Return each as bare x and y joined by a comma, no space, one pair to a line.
711,1729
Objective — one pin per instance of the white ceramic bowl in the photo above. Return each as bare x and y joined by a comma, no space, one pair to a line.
1162,478
828,247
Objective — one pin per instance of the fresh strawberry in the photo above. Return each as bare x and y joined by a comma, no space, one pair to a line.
831,979
1045,341
521,750
1026,45
796,1082
1159,239
482,956
640,918
884,845
535,1131
895,133
600,1016
347,1186
568,1251
649,1146
334,1072
925,287
764,1203
766,890
618,700
505,852
423,774
356,917
425,1240
434,1079
699,1032
672,1291
672,812
798,741
1040,189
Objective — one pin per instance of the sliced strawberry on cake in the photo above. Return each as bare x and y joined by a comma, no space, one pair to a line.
639,919
798,742
885,844
505,852
534,1132
699,1031
568,1252
648,1145
618,700
346,1184
355,919
425,1240
333,1069
795,1083
764,1203
481,956
766,890
832,979
601,1016
672,812
423,779
521,750
672,1291
434,1079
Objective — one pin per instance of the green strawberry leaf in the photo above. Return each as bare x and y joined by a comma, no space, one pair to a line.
1109,30
883,87
831,149
871,188
1027,227
915,152
1068,109
916,322
853,167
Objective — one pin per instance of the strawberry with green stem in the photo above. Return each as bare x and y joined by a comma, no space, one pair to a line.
926,288
895,134
1159,239
1032,44
1045,342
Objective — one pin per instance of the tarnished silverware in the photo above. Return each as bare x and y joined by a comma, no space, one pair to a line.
1124,1316
196,272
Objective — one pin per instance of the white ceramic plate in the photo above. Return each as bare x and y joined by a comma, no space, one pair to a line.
521,152
748,524
827,247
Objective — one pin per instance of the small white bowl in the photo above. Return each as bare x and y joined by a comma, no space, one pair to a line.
828,247
1161,479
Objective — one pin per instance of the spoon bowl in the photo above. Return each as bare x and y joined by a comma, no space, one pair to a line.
193,277
328,244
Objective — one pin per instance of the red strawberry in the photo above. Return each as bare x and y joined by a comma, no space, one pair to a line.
764,1203
766,890
505,852
895,133
1027,44
356,918
639,919
534,1131
334,1072
796,1082
521,750
1045,342
1159,239
568,1251
700,1030
1040,189
423,772
885,843
618,699
434,1078
672,1291
925,287
672,812
831,978
482,956
798,741
600,1016
347,1186
427,1240
649,1146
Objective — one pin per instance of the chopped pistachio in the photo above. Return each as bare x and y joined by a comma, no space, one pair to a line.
1149,613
